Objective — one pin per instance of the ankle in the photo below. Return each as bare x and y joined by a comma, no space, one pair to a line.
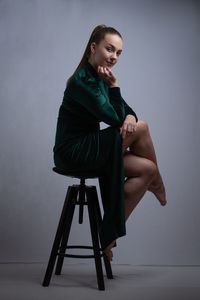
157,180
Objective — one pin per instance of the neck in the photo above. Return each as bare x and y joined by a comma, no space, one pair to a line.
90,60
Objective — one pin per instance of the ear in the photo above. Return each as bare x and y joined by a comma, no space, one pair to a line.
93,47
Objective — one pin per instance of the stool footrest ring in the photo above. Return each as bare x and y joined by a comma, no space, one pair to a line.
81,255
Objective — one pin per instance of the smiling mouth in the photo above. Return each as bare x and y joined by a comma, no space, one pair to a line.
110,64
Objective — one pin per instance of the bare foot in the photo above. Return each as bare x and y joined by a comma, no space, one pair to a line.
159,191
109,254
108,250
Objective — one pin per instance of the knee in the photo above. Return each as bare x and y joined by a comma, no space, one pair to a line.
143,125
150,169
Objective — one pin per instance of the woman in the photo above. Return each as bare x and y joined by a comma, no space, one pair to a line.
92,95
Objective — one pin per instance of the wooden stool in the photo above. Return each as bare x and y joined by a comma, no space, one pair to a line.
78,195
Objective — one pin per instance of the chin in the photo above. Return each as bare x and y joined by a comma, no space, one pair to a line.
104,64
107,65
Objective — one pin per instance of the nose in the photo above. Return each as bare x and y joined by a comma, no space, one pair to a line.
114,56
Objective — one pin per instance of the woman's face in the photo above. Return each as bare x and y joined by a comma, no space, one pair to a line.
107,53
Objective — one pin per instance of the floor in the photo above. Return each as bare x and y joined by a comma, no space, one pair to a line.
78,281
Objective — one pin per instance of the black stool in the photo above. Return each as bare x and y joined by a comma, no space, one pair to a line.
76,196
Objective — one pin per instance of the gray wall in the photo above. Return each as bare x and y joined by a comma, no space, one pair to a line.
41,44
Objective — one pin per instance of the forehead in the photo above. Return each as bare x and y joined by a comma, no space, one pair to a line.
114,40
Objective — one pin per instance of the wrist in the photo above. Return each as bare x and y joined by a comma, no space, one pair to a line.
129,115
113,85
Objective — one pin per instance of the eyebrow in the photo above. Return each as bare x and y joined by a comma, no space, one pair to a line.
114,46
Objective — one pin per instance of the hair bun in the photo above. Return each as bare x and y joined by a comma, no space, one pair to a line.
99,27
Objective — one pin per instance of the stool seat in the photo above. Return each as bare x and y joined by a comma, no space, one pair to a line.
78,174
81,195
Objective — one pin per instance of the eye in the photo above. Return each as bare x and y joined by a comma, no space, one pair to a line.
109,49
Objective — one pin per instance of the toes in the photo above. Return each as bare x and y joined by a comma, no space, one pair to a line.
164,203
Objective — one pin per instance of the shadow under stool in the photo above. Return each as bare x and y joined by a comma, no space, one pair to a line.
81,195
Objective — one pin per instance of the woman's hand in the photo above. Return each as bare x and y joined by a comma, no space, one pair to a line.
129,126
107,75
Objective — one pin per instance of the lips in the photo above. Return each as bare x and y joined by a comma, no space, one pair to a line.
109,63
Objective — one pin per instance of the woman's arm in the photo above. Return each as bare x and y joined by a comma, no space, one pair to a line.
130,123
86,91
110,80
129,111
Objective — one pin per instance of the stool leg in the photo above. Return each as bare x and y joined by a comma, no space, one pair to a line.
99,221
81,201
57,239
67,227
95,240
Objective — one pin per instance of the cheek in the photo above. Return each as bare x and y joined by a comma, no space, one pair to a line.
105,53
102,56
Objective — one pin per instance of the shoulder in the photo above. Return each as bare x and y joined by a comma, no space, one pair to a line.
84,75
82,78
81,74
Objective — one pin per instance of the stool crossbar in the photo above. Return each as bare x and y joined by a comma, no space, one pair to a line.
81,195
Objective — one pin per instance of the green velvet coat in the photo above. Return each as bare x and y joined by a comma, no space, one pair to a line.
81,145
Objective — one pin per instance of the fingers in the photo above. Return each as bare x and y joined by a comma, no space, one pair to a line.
105,71
110,72
102,73
106,75
135,127
128,129
124,130
100,69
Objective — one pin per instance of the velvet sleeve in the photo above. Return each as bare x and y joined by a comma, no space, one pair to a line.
87,92
115,95
129,111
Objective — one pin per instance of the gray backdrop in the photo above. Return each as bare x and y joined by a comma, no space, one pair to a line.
41,44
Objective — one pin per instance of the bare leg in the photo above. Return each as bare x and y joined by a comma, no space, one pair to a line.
141,172
141,144
140,179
